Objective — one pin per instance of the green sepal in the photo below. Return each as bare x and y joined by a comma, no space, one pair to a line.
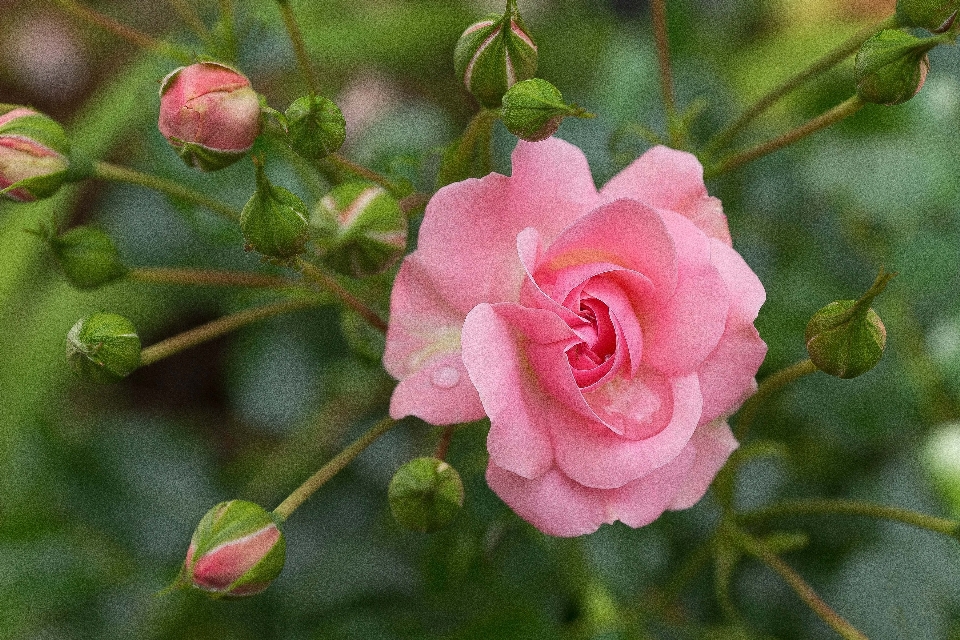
359,229
315,127
103,348
932,15
891,67
87,257
425,494
274,221
204,158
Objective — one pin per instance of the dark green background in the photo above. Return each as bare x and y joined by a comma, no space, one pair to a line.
100,487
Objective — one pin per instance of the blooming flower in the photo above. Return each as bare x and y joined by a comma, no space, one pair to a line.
605,333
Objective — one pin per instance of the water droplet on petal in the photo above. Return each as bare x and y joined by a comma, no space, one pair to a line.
445,377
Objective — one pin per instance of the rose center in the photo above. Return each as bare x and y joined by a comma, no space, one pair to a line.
598,338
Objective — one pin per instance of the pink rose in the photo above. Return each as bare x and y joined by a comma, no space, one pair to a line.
606,334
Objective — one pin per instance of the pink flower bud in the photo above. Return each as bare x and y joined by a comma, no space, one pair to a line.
210,114
33,154
237,550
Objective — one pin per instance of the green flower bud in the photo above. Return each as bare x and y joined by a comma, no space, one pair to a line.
494,54
425,494
274,220
87,257
34,154
237,550
359,229
315,127
846,338
533,109
891,67
103,348
933,15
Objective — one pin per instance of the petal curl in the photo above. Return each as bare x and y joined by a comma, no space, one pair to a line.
713,443
642,501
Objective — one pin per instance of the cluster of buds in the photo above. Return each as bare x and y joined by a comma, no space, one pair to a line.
494,54
359,229
236,550
846,338
34,154
210,114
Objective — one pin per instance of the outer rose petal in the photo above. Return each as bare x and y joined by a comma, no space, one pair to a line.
468,239
671,179
423,351
640,502
746,291
727,375
713,443
497,340
553,503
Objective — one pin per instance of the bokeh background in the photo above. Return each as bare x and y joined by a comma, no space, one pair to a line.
100,487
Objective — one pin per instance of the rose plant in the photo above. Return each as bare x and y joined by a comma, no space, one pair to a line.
606,333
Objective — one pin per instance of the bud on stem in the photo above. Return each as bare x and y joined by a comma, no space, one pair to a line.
533,109
425,494
87,257
34,154
274,220
892,66
847,338
103,348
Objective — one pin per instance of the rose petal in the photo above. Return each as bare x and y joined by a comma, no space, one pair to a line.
599,458
499,342
552,503
746,291
640,502
727,376
713,443
669,179
423,349
636,407
624,233
467,241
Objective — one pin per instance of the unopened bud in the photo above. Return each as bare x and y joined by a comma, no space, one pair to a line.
236,550
87,257
933,15
891,67
315,127
425,494
846,338
494,54
34,154
533,109
274,220
210,114
359,229
103,348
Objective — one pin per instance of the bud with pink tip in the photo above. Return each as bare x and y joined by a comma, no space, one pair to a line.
237,550
33,154
210,114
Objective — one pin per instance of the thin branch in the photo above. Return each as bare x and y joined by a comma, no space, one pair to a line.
772,383
207,277
658,10
330,284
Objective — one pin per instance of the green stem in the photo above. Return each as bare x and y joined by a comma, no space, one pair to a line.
854,508
135,37
189,14
658,10
107,171
800,586
217,328
479,133
692,565
332,468
208,278
364,172
772,383
330,284
828,61
227,19
838,113
299,47
444,444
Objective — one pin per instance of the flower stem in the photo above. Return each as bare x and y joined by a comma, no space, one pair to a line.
658,10
330,284
135,37
299,47
229,31
854,508
188,14
800,586
332,468
838,113
209,278
107,171
772,383
219,327
444,444
828,61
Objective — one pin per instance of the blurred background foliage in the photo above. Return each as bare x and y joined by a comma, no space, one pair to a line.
100,487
